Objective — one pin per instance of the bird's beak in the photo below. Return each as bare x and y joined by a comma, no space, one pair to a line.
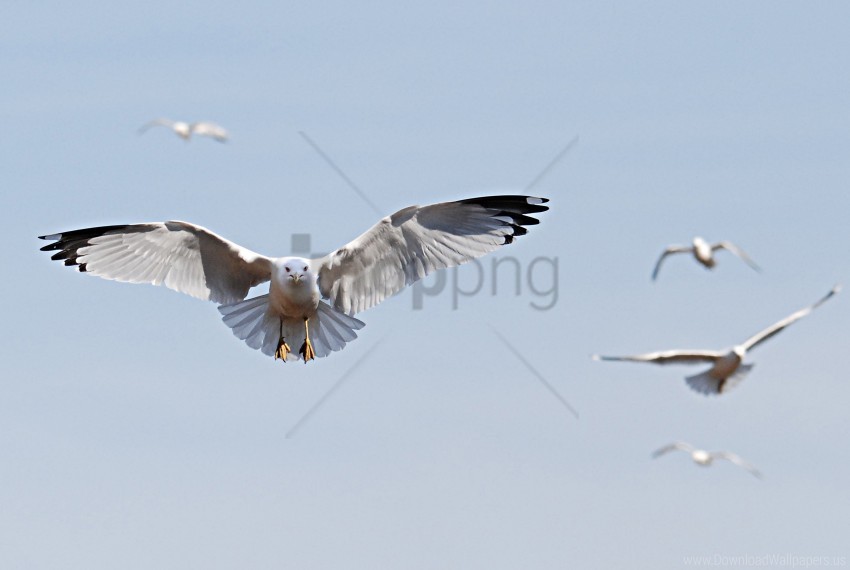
296,277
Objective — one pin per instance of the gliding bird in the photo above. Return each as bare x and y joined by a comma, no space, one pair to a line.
703,252
186,130
705,458
728,368
397,251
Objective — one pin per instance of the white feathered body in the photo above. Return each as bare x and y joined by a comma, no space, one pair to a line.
182,130
703,252
293,297
727,372
728,364
702,457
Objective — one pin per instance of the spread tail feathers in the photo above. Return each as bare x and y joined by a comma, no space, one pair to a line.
705,383
251,321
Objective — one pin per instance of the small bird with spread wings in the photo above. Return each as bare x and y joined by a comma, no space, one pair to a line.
727,365
706,458
397,251
703,252
186,130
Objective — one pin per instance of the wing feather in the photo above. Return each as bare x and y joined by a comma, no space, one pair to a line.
669,251
675,446
778,327
208,129
737,460
408,245
161,122
737,251
182,256
668,357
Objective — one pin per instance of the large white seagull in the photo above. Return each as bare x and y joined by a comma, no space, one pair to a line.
397,251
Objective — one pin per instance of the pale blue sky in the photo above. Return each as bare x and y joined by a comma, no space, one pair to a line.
137,432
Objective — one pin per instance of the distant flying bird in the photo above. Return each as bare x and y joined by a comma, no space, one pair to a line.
727,370
704,253
397,251
186,130
706,458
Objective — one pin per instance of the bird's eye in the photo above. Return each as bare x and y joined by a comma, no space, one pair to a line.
305,268
287,269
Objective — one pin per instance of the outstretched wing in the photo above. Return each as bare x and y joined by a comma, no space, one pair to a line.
157,123
775,329
675,446
207,129
408,245
729,246
667,357
669,251
182,256
737,461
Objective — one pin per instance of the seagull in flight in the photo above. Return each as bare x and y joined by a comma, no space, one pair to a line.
186,130
704,253
727,365
311,303
706,458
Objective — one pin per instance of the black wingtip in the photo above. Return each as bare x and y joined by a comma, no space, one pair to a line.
53,237
515,203
519,230
513,211
68,243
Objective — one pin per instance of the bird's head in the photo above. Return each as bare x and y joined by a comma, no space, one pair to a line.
296,271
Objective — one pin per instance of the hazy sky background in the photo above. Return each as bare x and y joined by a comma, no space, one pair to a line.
136,432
